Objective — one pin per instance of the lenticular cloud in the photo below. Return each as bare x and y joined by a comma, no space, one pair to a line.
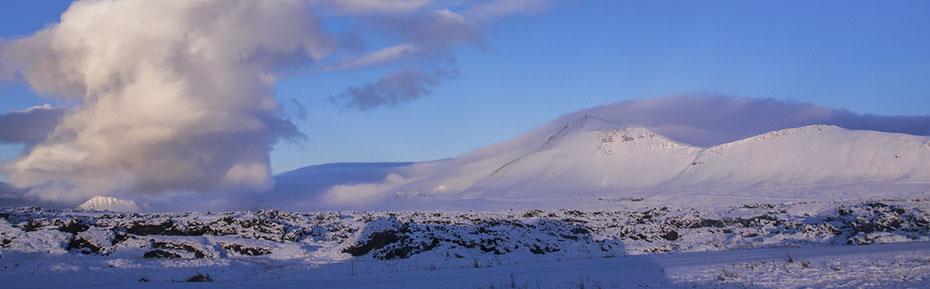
171,95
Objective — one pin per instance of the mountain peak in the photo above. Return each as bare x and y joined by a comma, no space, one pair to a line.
104,203
584,123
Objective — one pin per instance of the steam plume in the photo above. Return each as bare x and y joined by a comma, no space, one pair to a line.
174,95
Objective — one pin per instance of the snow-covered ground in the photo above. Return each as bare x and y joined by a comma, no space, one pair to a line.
798,244
897,265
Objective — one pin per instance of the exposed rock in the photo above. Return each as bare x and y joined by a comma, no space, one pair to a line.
159,254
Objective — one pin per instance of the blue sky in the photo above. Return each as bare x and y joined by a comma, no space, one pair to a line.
864,56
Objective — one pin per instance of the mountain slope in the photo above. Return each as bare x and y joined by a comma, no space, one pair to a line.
590,162
592,158
815,154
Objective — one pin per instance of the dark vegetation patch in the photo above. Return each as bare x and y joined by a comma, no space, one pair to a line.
376,240
180,247
82,245
405,234
160,254
200,278
68,225
246,250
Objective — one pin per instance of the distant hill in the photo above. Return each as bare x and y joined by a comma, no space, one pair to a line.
101,203
587,159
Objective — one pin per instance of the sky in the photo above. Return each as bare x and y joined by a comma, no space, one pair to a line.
415,80
868,58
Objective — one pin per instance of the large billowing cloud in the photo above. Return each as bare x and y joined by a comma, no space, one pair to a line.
174,95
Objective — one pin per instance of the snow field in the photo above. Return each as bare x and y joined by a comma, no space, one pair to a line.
242,247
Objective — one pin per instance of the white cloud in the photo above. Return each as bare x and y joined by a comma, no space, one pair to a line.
707,120
396,88
173,95
359,195
374,6
501,8
378,57
427,37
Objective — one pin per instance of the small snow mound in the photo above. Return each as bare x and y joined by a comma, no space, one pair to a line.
102,203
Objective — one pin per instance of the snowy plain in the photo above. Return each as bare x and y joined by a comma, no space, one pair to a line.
880,243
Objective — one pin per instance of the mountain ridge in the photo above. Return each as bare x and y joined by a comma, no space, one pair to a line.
673,149
593,158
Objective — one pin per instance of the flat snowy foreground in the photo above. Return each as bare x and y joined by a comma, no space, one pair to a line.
897,265
852,243
883,265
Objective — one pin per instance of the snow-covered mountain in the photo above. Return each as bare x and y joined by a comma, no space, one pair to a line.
584,160
102,203
816,155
